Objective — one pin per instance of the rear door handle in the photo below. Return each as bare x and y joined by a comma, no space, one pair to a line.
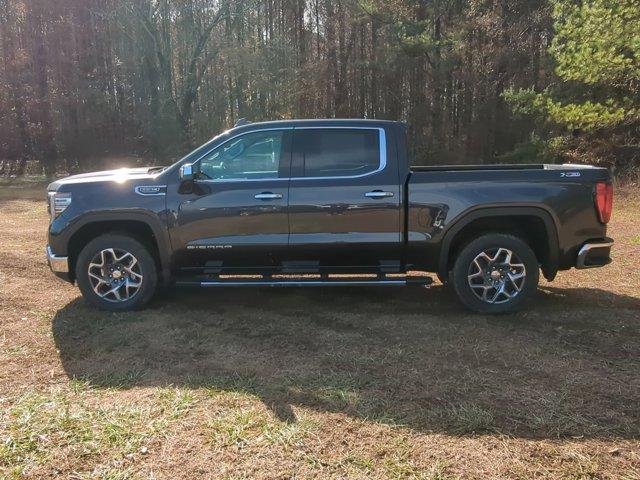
378,194
268,196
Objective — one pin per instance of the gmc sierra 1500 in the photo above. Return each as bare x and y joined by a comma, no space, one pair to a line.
325,202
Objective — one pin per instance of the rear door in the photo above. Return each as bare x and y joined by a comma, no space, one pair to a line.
344,200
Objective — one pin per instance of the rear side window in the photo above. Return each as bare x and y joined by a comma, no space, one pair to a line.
338,152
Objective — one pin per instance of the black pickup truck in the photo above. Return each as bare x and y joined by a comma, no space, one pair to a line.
325,202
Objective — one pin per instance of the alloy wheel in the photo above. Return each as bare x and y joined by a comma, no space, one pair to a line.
496,275
115,275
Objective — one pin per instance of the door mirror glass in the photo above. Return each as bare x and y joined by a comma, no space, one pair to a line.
186,172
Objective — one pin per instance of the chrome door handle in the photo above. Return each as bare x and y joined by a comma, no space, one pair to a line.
378,194
268,196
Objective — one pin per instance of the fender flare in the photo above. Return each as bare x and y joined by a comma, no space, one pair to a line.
549,268
150,219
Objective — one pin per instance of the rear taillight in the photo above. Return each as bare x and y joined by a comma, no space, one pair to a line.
604,201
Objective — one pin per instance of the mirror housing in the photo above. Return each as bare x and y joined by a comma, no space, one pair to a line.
186,172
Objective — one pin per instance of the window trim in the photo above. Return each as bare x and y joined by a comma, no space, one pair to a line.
382,143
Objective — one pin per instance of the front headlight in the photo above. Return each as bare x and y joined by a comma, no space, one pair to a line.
58,202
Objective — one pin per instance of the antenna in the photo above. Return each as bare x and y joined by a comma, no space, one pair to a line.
241,121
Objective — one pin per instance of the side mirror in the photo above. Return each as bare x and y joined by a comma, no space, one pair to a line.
186,172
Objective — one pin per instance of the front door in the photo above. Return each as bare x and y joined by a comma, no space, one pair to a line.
344,201
236,217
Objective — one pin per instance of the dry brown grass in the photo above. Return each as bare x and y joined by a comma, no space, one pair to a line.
350,383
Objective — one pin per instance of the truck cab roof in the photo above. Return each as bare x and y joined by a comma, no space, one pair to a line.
326,122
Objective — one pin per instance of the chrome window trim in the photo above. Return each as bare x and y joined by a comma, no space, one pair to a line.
382,142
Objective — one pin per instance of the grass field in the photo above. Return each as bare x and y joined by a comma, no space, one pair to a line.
317,383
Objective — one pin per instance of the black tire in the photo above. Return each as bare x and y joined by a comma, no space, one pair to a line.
517,292
145,266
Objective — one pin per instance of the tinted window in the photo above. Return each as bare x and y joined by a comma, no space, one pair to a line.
338,152
254,155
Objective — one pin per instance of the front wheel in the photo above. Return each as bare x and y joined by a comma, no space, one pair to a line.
496,273
116,273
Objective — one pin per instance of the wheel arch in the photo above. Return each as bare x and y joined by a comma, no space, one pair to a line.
143,227
534,224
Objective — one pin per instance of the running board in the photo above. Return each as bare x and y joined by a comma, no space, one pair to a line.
310,282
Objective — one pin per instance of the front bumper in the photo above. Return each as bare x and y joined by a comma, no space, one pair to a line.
594,253
58,265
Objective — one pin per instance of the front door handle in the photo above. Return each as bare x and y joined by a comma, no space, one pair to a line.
268,196
378,194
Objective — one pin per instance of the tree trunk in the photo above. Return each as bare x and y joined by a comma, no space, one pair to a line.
47,147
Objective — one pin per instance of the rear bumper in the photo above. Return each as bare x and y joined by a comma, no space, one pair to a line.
594,253
58,265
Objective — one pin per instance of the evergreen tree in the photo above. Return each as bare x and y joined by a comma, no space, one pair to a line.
593,112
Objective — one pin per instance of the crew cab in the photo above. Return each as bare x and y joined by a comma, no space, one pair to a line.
325,203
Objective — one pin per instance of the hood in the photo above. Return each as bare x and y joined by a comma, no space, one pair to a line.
119,175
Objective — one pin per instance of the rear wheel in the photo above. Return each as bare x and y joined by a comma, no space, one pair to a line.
116,273
496,273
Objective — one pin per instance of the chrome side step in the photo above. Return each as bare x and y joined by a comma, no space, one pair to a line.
309,282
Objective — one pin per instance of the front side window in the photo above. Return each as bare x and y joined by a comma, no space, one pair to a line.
250,156
338,152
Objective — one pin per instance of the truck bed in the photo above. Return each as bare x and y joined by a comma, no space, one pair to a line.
439,196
